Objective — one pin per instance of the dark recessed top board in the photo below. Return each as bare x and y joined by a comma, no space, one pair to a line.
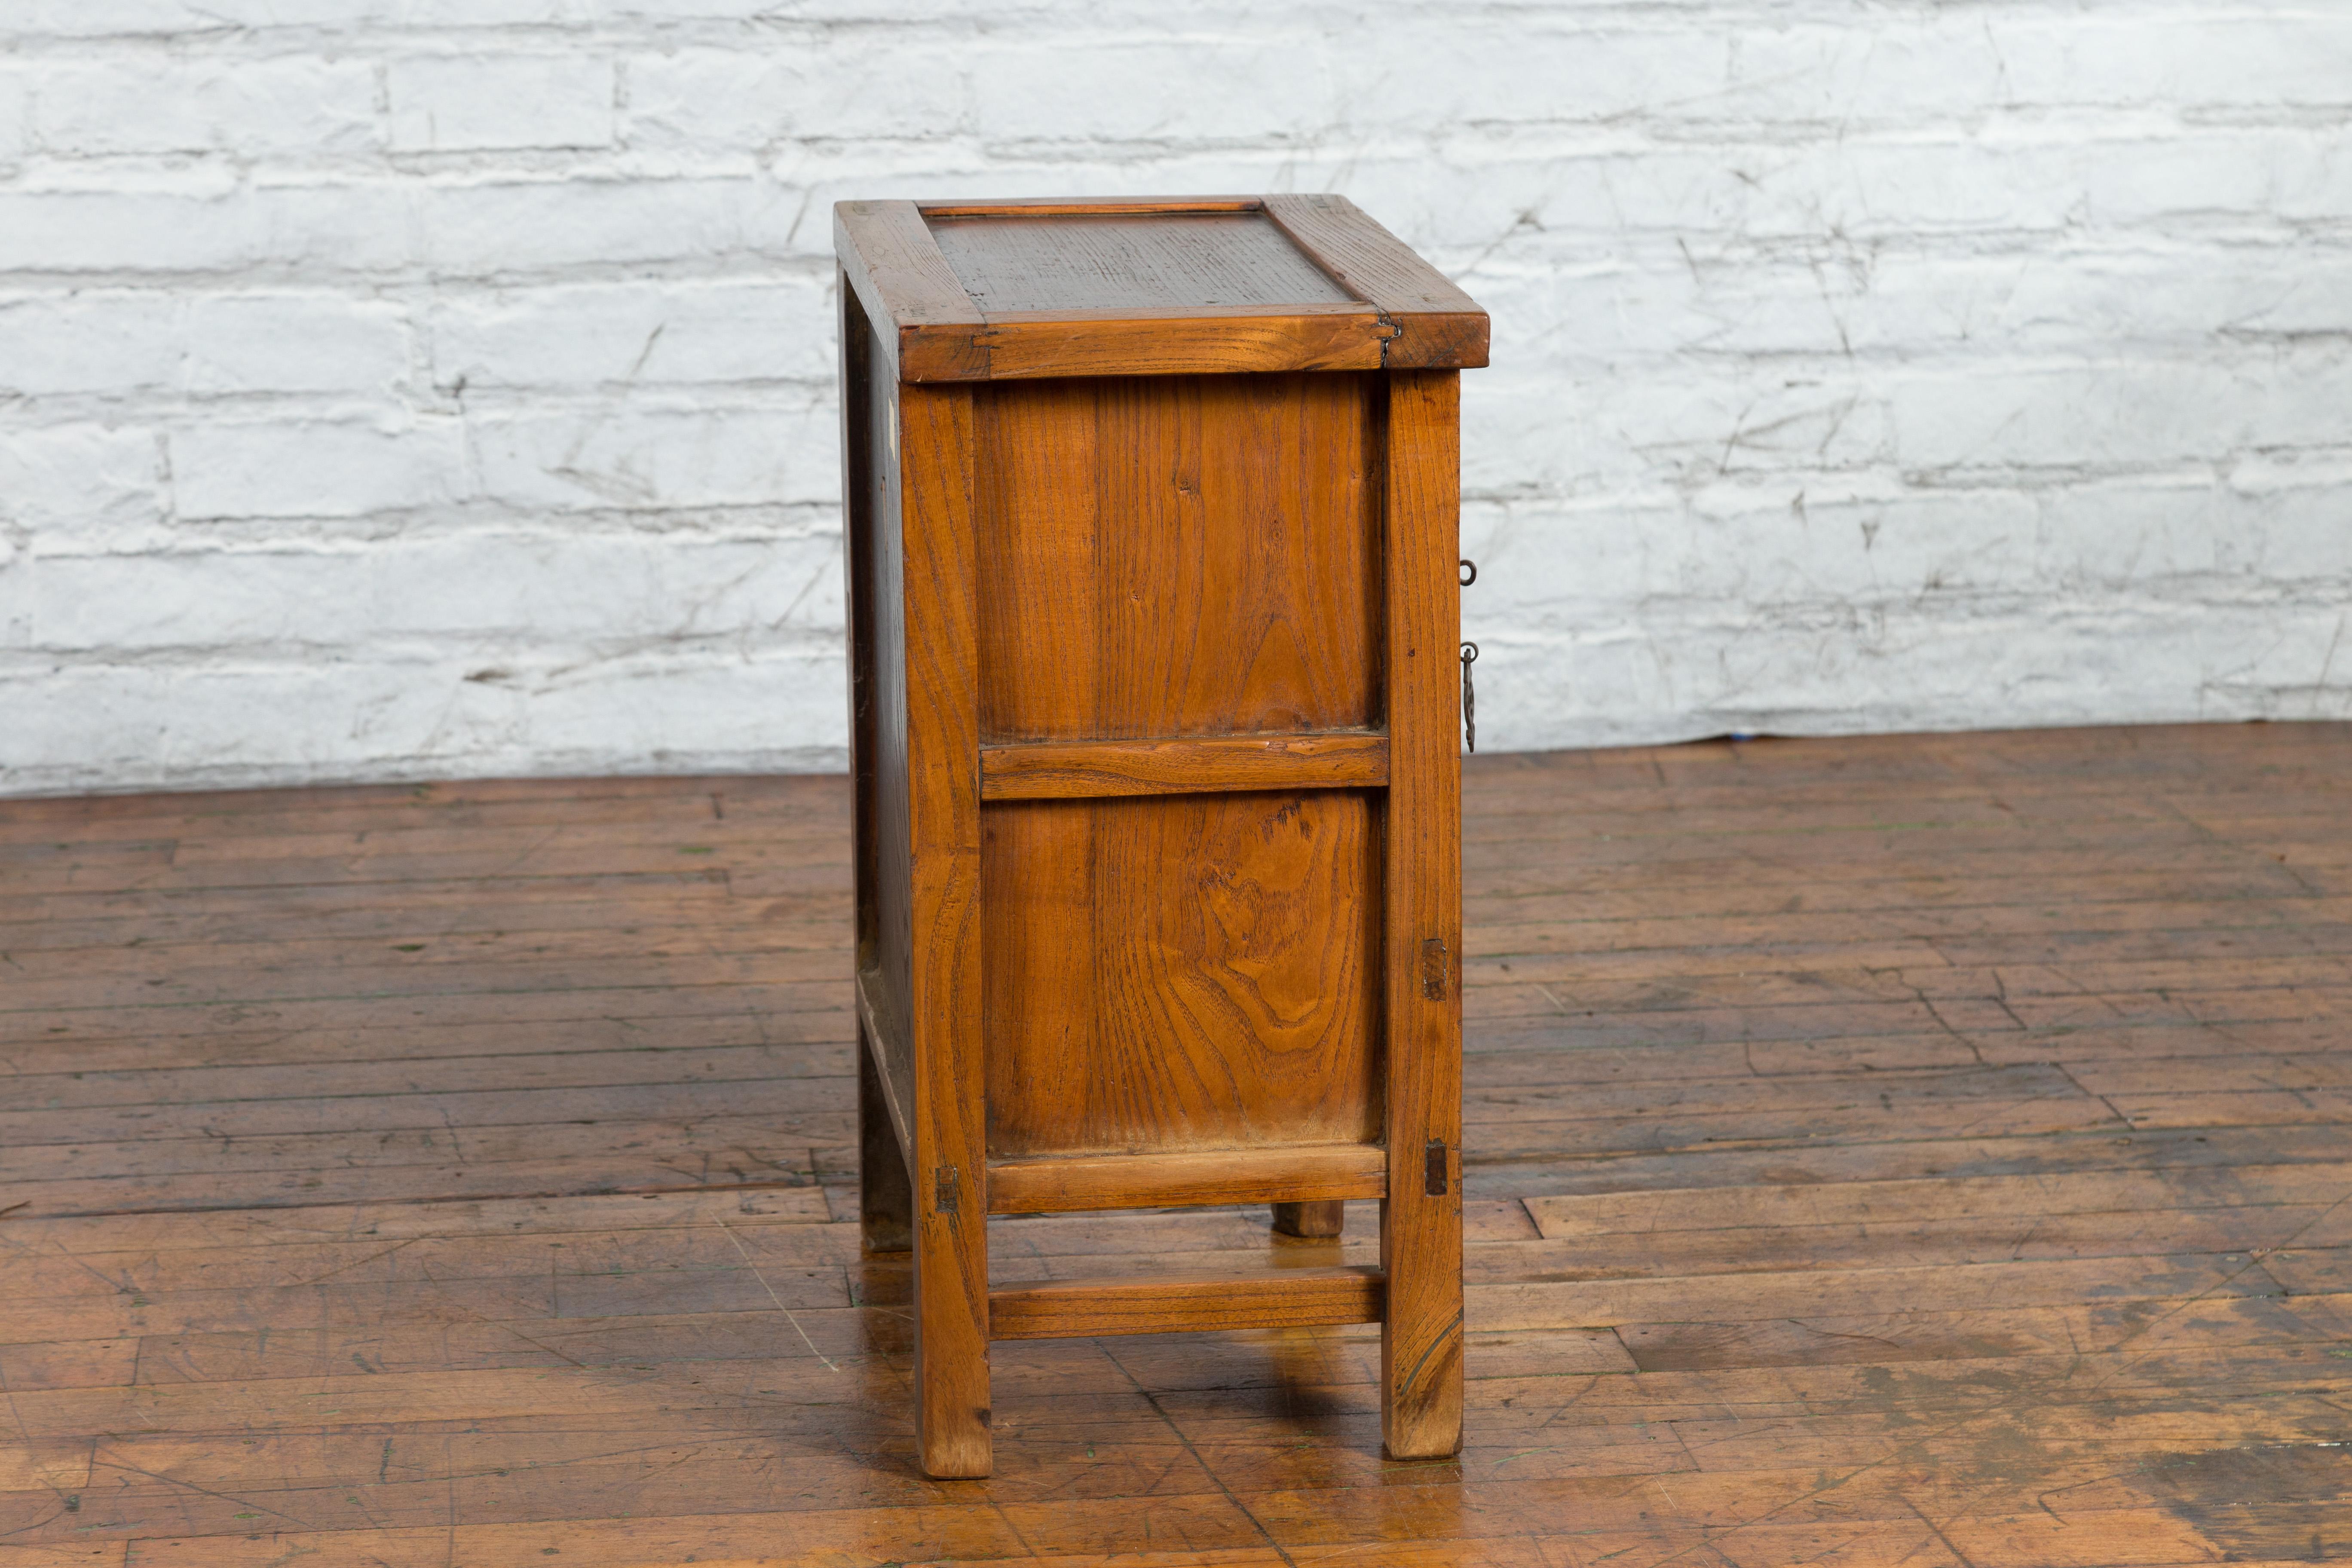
1182,260
1005,290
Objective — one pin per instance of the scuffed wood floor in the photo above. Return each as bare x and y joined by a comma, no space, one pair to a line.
1923,1150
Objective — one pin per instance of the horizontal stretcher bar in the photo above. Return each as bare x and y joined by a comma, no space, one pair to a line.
1186,1303
1310,1172
1057,770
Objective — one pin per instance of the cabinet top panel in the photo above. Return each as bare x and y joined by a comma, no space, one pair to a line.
1201,285
1183,260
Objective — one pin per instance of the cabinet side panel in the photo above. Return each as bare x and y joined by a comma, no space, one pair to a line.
1181,972
1179,556
857,506
886,1203
886,938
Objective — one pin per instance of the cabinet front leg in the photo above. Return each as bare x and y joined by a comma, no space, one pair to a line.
951,1404
1421,1332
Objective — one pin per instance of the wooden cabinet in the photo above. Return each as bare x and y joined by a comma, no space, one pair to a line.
1151,529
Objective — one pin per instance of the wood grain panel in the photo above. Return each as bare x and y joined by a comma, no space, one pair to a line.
1184,972
1311,1172
1186,1303
1052,770
1178,557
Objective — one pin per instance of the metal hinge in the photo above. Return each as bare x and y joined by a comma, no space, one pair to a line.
1469,571
1469,698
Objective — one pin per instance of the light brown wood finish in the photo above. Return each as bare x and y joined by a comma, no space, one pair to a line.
1194,607
1159,343
1436,325
1007,290
1062,770
950,1151
1421,1221
1178,972
1134,582
905,289
1186,1303
1319,1176
1727,1265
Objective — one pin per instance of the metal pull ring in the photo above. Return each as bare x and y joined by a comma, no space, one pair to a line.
1469,572
1469,697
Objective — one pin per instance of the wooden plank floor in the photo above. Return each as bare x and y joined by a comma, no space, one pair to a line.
1923,1150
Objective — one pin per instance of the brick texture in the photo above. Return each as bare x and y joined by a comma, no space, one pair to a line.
397,388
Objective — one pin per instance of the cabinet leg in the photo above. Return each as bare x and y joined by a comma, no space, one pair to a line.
886,1201
1421,1329
951,1404
1312,1219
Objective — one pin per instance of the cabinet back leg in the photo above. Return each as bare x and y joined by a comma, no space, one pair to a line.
1311,1219
885,1199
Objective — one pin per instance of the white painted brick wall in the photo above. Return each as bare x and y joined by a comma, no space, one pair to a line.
396,388
486,101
